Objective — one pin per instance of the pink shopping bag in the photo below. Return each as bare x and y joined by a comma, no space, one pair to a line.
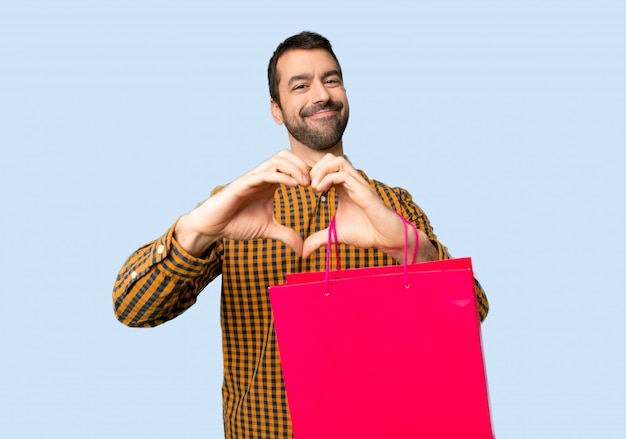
385,352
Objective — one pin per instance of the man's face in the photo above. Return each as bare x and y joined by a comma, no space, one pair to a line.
314,106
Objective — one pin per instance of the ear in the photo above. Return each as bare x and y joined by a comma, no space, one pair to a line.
277,113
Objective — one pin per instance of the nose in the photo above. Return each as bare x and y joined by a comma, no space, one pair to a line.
319,93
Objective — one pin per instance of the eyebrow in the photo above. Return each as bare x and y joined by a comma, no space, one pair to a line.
302,76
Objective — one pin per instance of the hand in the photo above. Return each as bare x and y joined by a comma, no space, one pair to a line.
362,218
244,209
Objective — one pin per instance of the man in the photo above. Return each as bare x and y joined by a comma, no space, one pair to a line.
270,222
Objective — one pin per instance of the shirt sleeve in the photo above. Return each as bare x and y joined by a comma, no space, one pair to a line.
160,281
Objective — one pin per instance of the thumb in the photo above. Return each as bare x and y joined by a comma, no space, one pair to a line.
286,235
314,241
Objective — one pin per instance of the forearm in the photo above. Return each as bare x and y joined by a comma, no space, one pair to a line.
190,239
425,251
160,281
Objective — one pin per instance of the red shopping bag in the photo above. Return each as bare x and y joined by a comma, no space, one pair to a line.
383,352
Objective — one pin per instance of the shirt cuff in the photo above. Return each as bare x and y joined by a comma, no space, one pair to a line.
167,252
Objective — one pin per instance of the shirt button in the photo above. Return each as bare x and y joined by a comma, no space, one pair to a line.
133,275
323,199
160,249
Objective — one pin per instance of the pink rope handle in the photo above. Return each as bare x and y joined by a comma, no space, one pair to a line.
406,238
406,223
332,239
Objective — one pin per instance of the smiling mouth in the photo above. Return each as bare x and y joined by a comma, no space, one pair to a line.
321,111
322,114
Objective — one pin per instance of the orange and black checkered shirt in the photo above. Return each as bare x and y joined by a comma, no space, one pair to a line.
160,281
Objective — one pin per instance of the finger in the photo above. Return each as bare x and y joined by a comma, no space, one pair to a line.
285,162
349,187
314,241
326,165
258,179
339,169
287,236
328,181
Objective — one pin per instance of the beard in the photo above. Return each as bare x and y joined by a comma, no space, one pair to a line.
327,131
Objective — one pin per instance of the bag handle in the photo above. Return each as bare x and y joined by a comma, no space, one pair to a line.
406,239
332,239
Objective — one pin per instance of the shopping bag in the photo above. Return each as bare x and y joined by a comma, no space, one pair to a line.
383,352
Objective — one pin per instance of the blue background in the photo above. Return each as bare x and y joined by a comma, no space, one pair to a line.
504,119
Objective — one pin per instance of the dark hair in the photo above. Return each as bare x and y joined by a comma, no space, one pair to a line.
303,40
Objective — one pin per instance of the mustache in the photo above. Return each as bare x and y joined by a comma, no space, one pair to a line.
329,105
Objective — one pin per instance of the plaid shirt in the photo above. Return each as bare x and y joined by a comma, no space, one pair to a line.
160,281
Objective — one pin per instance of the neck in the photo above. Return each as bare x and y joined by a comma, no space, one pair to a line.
311,156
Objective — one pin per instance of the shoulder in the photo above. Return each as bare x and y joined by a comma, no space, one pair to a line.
395,197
